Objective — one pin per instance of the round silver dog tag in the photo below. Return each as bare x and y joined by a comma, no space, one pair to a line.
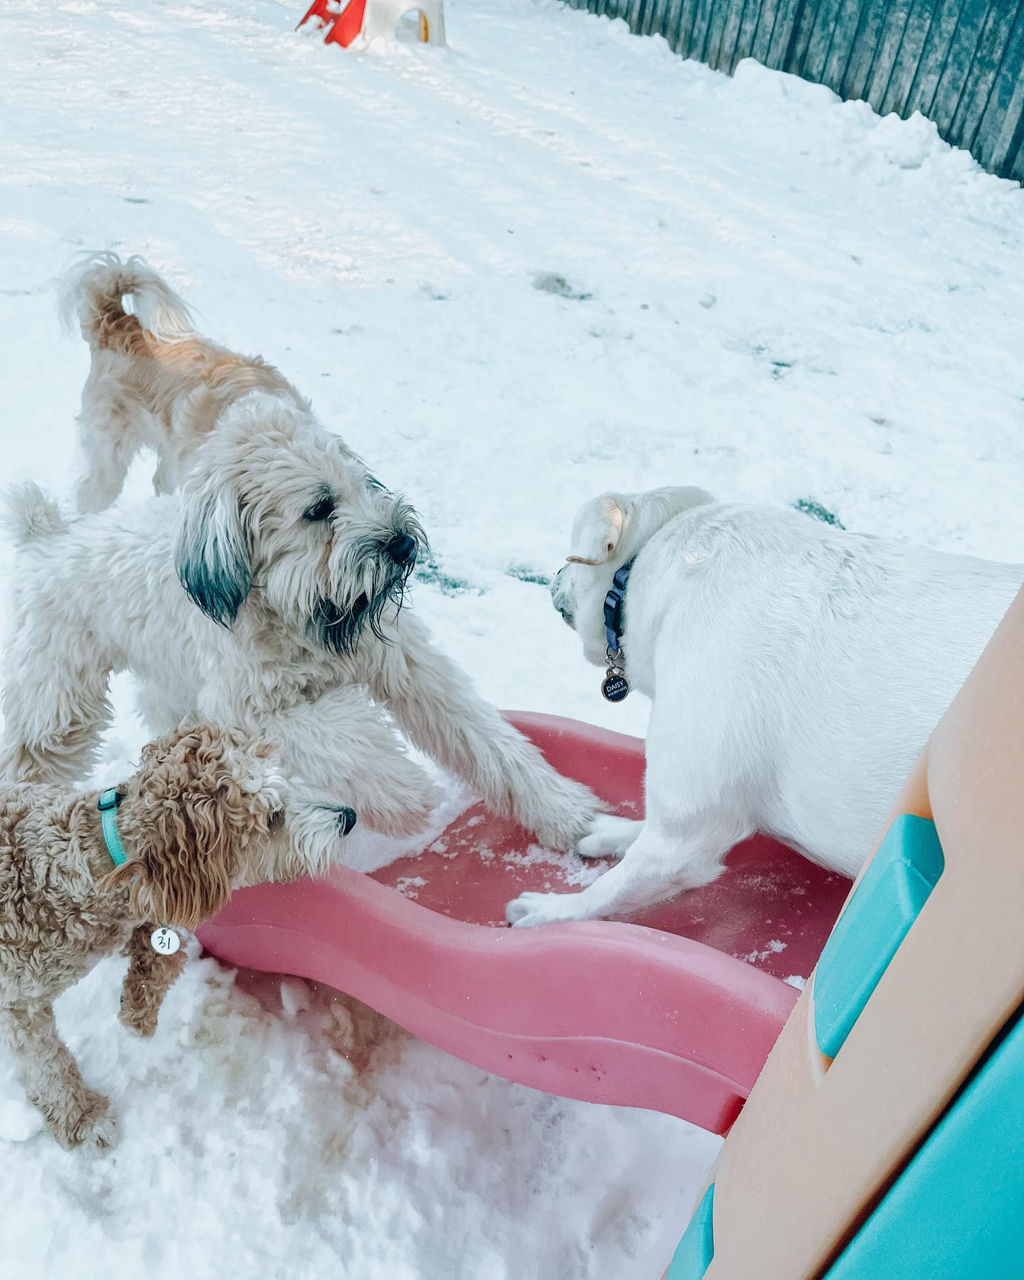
615,686
164,941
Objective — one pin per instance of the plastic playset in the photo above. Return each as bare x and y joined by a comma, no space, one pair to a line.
883,1136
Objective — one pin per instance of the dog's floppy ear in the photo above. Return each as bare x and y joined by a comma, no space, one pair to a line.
179,889
212,559
598,528
618,524
186,826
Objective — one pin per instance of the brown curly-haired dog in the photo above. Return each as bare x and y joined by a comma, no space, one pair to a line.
203,815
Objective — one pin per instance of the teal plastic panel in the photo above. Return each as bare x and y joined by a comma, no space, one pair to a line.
697,1247
884,905
957,1210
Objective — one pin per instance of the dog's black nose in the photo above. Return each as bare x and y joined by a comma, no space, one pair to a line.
401,548
346,820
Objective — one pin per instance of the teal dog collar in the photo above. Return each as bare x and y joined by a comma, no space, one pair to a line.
107,805
163,940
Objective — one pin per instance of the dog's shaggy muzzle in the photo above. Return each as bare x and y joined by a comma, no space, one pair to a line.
383,565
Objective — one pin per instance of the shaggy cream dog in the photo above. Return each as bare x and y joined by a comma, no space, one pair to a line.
296,559
203,815
795,672
289,624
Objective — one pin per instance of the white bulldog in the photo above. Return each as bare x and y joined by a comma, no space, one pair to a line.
795,671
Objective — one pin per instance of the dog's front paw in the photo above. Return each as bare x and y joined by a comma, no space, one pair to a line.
138,1018
403,814
88,1122
531,909
315,834
141,1021
571,819
609,837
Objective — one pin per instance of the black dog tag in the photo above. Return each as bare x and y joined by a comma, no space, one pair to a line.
615,686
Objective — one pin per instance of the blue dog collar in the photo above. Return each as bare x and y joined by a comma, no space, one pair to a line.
613,602
615,686
107,805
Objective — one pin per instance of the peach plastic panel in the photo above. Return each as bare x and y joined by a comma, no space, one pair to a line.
822,1139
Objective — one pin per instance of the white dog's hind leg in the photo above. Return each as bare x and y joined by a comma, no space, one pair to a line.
165,477
53,719
437,707
609,837
108,445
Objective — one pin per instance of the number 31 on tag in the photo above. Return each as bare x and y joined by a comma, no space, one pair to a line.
164,941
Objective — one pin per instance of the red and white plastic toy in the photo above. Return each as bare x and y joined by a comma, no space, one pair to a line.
344,23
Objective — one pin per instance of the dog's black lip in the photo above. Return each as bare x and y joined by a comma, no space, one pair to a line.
340,631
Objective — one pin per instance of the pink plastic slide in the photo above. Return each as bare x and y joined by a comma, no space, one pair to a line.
675,1011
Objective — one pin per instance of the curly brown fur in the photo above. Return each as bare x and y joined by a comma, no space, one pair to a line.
203,814
150,976
192,822
153,380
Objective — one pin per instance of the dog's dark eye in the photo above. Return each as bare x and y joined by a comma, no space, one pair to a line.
322,509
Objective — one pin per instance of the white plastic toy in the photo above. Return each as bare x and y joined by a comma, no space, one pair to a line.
370,19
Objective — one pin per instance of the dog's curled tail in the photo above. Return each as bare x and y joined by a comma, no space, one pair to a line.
94,289
27,513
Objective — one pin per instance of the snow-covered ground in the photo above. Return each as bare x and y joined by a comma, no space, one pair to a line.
547,260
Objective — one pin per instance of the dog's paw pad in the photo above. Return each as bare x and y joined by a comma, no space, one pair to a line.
142,1024
609,837
591,847
101,1134
531,909
93,1128
518,908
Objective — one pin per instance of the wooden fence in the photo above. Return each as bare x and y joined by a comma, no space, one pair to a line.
958,62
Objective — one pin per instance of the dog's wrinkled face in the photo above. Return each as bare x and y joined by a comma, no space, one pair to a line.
580,586
608,531
277,505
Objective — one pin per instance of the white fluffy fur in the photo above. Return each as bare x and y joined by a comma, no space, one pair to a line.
796,672
153,381
102,594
